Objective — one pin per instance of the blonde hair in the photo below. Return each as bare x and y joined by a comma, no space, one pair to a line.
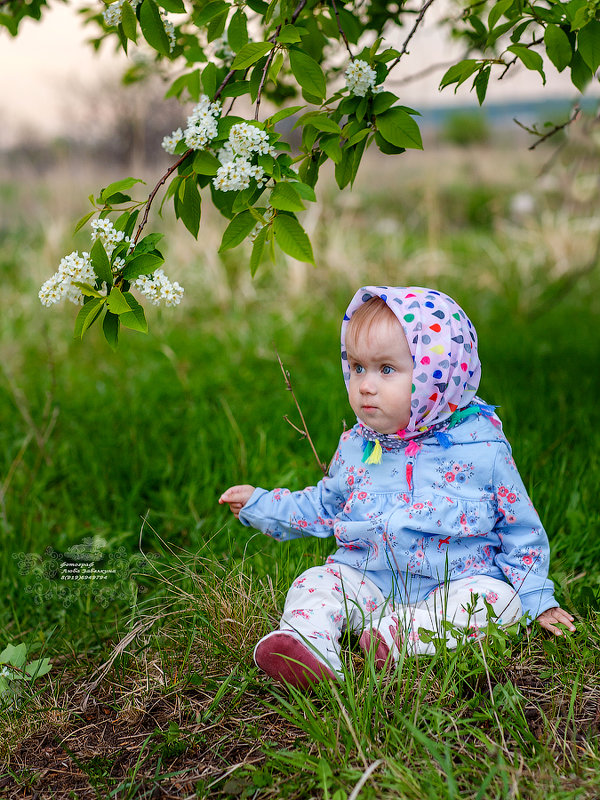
360,323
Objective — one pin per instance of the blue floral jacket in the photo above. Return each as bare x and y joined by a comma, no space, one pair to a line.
413,522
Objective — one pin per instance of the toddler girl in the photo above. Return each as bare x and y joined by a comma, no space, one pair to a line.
431,518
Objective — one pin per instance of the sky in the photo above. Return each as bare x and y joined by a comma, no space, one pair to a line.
47,58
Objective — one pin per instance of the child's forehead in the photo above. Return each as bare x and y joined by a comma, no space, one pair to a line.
382,335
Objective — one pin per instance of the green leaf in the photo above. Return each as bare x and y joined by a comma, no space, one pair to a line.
237,230
251,53
305,191
110,328
588,44
37,668
209,12
117,187
529,58
399,128
209,79
237,32
153,27
87,290
330,145
480,83
459,73
581,74
558,47
144,264
279,115
308,73
100,263
205,163
190,208
383,101
83,220
87,315
321,122
285,198
16,656
236,89
116,302
257,249
129,21
292,239
174,6
289,35
386,147
497,11
275,67
135,319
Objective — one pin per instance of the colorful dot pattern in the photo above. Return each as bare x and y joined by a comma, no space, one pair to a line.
443,343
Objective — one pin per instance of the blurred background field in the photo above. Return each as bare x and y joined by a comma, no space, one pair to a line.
101,450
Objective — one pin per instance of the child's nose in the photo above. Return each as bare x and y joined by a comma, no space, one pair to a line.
367,385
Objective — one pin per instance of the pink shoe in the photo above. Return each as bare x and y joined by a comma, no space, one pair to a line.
288,660
372,639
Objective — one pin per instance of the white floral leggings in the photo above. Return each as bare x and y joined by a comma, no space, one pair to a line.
324,601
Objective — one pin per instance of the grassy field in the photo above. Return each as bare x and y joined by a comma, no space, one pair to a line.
121,457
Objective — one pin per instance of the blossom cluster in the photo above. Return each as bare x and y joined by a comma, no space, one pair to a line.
201,127
110,237
114,12
236,172
360,78
76,268
157,287
73,267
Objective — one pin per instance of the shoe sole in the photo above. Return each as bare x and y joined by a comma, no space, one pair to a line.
372,641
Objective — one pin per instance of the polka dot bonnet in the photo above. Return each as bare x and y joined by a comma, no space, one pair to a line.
443,344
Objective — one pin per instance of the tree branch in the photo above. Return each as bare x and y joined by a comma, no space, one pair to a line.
262,81
573,118
418,21
152,194
341,30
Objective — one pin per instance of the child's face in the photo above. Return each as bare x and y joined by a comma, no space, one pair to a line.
381,369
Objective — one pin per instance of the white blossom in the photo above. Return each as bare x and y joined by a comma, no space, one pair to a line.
237,174
169,143
360,77
170,31
110,237
202,123
73,267
226,154
112,13
158,288
245,139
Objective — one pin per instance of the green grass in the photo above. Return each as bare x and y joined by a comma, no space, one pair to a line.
131,451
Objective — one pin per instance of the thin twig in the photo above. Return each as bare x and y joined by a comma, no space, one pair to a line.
152,194
304,431
418,21
341,30
576,114
268,63
516,58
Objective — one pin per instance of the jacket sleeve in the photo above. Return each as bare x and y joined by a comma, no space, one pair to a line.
288,515
525,555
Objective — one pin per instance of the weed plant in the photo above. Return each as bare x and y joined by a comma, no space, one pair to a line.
122,457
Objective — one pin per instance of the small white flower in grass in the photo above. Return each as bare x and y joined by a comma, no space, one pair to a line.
169,143
360,77
4,672
158,288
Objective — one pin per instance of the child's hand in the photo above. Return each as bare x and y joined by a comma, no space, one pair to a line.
551,616
236,497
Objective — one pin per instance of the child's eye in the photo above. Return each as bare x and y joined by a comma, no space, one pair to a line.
387,370
359,369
